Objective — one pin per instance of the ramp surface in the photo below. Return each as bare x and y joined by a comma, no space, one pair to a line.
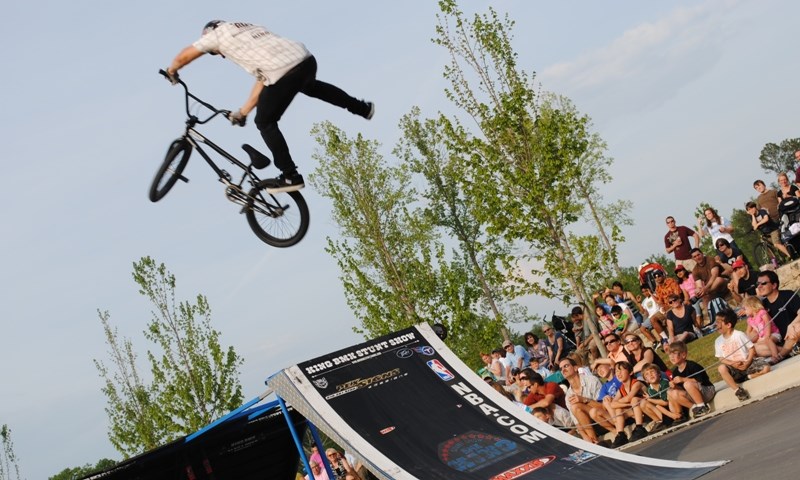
408,408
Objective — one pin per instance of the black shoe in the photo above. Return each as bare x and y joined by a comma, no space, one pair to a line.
682,419
700,411
742,394
619,440
638,433
370,110
285,183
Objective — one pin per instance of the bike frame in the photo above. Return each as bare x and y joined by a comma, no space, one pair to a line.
196,138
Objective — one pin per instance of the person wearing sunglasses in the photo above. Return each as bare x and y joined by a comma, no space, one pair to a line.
681,321
615,351
676,242
784,308
639,356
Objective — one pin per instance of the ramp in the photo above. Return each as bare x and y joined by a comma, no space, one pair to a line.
408,408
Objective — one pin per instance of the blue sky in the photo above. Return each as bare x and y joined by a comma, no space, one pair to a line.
685,93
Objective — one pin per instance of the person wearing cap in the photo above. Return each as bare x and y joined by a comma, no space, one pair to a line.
676,242
516,355
744,282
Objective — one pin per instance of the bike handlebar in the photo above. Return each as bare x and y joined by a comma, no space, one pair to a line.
178,81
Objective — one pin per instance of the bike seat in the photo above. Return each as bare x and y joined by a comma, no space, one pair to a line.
258,159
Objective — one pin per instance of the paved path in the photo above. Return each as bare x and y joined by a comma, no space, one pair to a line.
762,439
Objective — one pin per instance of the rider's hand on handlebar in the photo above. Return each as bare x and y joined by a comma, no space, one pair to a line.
173,78
237,118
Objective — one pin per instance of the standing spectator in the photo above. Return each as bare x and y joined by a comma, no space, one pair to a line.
537,349
737,355
690,386
681,321
716,226
784,308
786,189
761,221
745,281
760,329
767,199
676,242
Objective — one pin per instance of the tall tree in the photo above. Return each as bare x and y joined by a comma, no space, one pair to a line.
779,158
194,379
394,269
9,466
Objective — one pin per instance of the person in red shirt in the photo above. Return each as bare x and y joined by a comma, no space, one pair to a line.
676,241
541,393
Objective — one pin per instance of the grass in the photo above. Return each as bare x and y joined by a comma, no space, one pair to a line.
702,352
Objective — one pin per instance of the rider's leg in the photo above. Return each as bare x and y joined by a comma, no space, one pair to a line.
335,96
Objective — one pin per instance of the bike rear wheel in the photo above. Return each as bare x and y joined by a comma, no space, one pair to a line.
278,219
170,171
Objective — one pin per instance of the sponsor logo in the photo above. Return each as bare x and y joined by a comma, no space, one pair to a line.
321,383
475,450
425,350
369,382
440,370
581,456
404,353
524,469
387,430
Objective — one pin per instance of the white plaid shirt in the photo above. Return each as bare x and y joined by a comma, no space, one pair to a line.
260,52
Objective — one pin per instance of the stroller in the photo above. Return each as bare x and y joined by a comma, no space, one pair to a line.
789,210
646,271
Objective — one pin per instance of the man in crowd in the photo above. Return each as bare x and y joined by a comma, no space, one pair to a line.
784,308
761,220
767,200
676,242
516,355
708,275
743,283
581,398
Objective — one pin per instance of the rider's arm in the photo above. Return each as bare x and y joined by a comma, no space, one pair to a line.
185,57
252,101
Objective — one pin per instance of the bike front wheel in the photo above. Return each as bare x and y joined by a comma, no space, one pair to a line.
278,219
170,171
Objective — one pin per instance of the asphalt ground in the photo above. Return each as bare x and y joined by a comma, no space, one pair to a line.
761,440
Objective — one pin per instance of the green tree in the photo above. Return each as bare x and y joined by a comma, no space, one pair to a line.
9,466
80,472
394,269
194,379
779,158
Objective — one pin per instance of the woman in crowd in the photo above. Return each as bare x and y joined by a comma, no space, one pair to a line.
638,356
537,349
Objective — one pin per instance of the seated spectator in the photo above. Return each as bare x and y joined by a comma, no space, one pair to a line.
604,320
681,321
538,369
625,404
516,355
665,288
760,329
496,367
584,341
622,315
342,470
761,221
559,417
557,346
743,284
581,398
541,393
784,308
317,472
709,280
737,355
656,401
605,373
690,386
689,286
654,319
537,349
712,224
628,298
728,254
615,351
638,355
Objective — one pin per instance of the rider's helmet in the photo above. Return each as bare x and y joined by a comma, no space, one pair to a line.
210,27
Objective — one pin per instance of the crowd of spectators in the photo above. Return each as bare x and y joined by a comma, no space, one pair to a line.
567,380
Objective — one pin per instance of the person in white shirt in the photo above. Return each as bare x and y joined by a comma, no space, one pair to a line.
283,68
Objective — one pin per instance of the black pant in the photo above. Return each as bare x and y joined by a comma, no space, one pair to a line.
275,99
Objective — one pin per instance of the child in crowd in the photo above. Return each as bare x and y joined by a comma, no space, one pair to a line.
690,386
760,328
622,321
736,354
604,320
625,404
656,402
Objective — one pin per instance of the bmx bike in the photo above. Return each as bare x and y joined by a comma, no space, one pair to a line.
279,219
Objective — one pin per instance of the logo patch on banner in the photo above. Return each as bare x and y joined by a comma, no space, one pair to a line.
475,450
440,370
321,383
524,469
426,350
581,456
404,353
